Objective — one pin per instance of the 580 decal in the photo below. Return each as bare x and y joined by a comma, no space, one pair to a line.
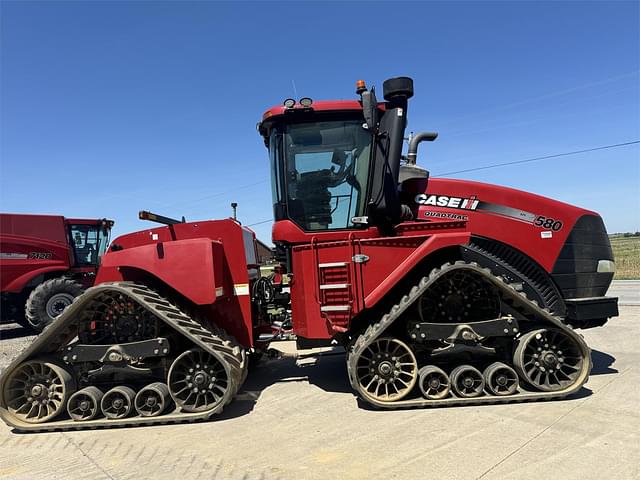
546,222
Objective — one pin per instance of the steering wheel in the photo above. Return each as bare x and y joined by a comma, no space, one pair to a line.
263,290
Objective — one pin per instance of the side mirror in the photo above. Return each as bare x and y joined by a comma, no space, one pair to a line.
370,109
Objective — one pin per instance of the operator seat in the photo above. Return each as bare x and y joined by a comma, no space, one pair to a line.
313,193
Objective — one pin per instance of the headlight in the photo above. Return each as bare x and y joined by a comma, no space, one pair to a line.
606,266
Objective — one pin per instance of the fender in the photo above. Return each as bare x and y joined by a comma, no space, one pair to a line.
431,245
19,283
16,273
194,268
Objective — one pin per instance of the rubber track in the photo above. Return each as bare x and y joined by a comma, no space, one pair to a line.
528,272
63,330
509,295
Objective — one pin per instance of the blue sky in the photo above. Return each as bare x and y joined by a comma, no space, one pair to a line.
109,108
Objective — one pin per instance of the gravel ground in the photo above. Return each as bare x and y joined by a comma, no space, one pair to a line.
294,423
14,339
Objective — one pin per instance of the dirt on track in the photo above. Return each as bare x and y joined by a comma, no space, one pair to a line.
13,339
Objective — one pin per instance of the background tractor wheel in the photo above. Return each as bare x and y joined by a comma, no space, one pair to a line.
49,299
12,308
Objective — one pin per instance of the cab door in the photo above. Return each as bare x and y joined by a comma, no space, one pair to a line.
326,291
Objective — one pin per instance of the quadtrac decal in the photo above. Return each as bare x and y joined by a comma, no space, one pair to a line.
447,215
472,203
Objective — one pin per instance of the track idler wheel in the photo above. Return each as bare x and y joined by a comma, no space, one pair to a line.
467,381
387,370
153,399
500,379
85,404
118,402
433,382
37,391
548,359
200,381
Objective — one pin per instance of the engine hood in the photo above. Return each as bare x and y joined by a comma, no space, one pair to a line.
534,224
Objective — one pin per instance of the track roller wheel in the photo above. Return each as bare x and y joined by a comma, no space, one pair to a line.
467,381
387,370
548,359
118,402
85,404
433,382
37,391
153,399
199,381
500,379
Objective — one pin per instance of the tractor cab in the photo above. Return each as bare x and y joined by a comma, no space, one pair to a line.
335,164
320,171
88,240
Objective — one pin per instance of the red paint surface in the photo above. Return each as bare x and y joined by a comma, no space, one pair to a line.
518,234
200,257
42,234
321,106
194,259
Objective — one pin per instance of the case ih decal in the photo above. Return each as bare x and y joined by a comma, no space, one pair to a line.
472,203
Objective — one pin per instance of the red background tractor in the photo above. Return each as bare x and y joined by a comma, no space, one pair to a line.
45,262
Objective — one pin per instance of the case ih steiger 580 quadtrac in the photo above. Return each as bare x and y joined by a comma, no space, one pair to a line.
45,262
443,292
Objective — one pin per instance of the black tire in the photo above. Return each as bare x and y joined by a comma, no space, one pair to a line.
12,309
49,299
254,359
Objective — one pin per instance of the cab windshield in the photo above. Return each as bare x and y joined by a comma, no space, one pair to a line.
320,170
89,243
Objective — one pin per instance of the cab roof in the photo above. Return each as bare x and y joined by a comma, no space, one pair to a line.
319,106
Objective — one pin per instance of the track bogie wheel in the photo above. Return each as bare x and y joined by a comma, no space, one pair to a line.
85,404
153,399
118,402
467,381
37,391
548,359
433,382
199,381
500,379
387,370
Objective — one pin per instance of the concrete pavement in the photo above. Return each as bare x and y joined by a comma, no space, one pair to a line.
627,291
305,424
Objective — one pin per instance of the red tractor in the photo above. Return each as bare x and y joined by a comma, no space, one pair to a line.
45,262
442,292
